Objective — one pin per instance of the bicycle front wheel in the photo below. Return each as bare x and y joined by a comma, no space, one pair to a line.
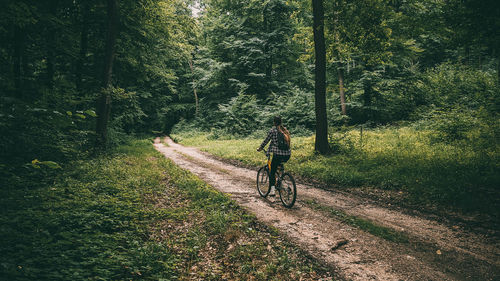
263,181
288,190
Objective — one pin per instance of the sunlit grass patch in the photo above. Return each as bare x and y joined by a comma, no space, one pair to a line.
464,173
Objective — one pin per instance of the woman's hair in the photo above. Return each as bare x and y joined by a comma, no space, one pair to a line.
282,129
277,120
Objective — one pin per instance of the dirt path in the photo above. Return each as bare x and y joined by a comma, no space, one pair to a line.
434,251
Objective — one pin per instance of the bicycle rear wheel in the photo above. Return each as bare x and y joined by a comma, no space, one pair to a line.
263,181
288,190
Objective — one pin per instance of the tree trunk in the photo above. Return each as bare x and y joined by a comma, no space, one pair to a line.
17,59
194,88
367,93
50,60
83,45
341,89
321,143
110,42
498,66
267,46
467,55
51,45
104,103
367,99
269,65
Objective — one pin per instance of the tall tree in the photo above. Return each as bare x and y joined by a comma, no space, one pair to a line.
84,39
251,40
321,144
104,103
340,70
478,24
197,109
17,59
51,30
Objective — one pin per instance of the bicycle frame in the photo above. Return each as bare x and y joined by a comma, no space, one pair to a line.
280,170
268,161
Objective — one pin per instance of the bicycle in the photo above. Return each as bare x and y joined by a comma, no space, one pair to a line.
285,184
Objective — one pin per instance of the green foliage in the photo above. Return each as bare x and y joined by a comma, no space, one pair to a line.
153,55
358,30
133,215
244,116
246,47
341,142
434,63
296,108
241,116
450,85
39,131
453,125
90,223
127,111
398,57
400,60
52,63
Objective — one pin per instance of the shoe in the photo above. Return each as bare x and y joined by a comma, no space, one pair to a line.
273,191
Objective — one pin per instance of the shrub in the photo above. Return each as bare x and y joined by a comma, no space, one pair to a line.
452,125
241,115
296,108
448,86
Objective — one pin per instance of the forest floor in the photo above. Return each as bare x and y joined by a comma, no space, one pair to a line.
358,237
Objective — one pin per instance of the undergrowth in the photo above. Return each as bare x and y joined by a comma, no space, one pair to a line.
133,215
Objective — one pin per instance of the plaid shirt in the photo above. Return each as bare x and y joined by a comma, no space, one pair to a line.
273,146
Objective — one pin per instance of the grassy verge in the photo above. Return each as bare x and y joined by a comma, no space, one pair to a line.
133,215
461,175
386,233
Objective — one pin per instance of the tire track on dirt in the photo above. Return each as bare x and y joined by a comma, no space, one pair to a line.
364,257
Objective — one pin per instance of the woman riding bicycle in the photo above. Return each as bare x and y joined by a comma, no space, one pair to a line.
279,146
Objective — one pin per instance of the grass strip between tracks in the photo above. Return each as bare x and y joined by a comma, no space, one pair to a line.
363,224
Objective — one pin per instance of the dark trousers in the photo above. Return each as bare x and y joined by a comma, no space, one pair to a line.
277,159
